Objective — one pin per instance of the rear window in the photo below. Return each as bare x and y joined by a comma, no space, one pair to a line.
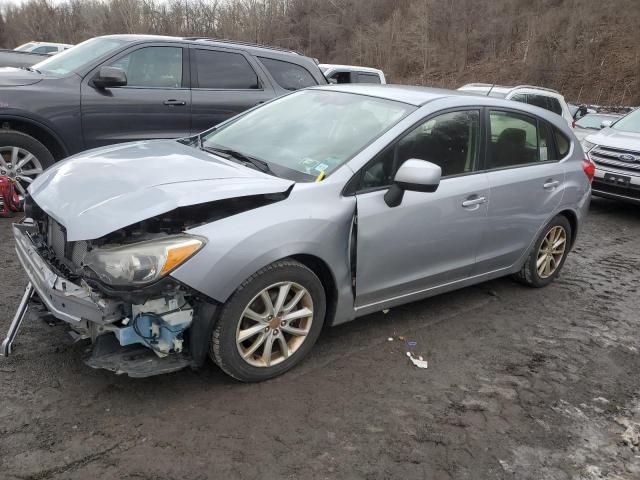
288,75
224,70
368,78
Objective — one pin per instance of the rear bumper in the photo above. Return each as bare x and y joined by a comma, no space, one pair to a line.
64,299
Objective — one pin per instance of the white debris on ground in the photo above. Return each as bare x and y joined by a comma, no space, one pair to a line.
418,362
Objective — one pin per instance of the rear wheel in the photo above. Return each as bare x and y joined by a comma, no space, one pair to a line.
22,158
548,254
270,323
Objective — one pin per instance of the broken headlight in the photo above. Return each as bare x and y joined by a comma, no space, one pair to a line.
142,262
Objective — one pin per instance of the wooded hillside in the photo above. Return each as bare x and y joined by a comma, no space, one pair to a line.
588,49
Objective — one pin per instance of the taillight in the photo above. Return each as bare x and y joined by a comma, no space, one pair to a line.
589,168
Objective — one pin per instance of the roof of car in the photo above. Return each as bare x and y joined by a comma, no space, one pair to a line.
349,67
502,91
413,95
220,42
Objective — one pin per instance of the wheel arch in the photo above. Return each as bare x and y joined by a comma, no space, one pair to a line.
572,217
37,130
327,278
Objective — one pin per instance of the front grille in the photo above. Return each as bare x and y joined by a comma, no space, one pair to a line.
612,157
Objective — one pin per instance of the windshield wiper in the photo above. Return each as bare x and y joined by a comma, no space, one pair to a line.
229,153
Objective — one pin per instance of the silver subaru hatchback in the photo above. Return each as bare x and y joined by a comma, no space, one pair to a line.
316,208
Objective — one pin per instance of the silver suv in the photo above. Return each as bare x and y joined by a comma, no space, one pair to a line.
313,209
616,152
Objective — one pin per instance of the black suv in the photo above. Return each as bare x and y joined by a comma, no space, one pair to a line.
121,88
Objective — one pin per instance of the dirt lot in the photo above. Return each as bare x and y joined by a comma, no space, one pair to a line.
521,383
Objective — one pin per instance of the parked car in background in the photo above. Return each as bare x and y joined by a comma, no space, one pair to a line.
541,97
43,48
319,207
12,58
579,111
130,87
616,152
351,74
593,121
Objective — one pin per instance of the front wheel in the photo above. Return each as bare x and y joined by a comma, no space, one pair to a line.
270,323
22,158
548,254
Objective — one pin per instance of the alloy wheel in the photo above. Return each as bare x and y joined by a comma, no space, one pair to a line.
551,251
20,165
274,324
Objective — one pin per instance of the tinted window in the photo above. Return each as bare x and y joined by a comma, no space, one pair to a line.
288,75
368,78
538,101
449,140
520,97
562,143
546,148
230,71
341,77
513,140
554,105
159,67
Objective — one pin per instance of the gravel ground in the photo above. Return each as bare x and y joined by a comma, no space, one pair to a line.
522,383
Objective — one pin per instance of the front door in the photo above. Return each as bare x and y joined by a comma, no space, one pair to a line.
430,239
155,103
526,182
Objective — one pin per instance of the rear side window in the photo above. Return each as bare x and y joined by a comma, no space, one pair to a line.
513,140
157,67
546,147
368,78
520,97
562,143
224,70
288,75
554,105
45,49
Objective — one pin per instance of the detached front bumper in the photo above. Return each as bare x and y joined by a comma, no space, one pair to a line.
64,299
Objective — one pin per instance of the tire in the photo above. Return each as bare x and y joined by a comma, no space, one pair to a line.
23,144
247,311
534,275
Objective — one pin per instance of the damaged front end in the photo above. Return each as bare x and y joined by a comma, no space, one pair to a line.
115,291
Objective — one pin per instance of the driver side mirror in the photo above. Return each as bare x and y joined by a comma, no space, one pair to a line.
606,124
110,77
413,175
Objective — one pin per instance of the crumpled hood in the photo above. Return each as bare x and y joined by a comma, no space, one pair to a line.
18,77
102,190
610,137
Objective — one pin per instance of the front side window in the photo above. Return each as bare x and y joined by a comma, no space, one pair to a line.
449,140
513,140
288,75
159,67
224,70
309,131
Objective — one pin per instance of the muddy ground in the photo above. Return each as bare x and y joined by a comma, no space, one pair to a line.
522,383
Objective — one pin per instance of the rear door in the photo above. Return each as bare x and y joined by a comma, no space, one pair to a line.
526,182
155,103
224,83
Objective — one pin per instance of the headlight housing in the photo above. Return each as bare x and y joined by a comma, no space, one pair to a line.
143,262
586,146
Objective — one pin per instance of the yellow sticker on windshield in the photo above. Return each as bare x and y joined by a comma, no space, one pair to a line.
320,177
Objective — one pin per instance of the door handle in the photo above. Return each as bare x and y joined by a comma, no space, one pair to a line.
470,202
174,103
551,184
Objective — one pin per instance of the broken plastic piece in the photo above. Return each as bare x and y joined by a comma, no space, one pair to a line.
390,339
418,362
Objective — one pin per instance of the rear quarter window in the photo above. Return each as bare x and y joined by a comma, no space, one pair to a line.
288,75
563,144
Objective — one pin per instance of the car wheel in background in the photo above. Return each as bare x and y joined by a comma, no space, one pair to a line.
22,158
548,254
270,323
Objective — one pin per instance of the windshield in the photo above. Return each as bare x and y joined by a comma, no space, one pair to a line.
594,121
74,58
630,123
25,47
310,131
